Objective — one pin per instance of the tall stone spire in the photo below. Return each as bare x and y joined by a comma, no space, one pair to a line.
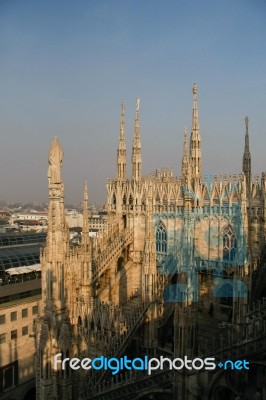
52,329
121,151
195,140
85,251
85,229
247,157
57,236
149,254
185,164
136,150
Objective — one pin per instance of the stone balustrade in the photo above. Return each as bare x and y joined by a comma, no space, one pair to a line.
103,260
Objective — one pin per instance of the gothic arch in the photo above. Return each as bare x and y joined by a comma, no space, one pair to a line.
86,322
225,199
165,201
255,221
143,203
123,281
215,197
172,200
120,263
114,200
130,201
157,199
206,198
235,198
229,244
161,239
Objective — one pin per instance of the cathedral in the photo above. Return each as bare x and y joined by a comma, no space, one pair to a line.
179,271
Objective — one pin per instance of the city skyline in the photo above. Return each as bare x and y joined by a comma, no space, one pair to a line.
66,68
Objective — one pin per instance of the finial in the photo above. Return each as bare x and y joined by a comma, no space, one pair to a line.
122,121
123,108
194,90
137,103
185,155
246,121
185,141
86,191
55,159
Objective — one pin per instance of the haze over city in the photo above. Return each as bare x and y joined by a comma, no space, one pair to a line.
66,66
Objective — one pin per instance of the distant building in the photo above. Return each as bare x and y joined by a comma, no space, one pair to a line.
39,217
19,305
97,221
20,292
74,218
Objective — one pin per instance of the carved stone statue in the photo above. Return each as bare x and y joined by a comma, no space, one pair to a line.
55,162
194,90
137,103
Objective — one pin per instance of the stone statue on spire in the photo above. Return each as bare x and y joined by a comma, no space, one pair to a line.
246,168
55,162
137,103
246,121
195,161
85,193
194,89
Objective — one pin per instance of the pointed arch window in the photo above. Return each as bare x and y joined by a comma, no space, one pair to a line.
158,200
206,200
161,240
143,205
216,201
130,200
235,199
229,244
114,199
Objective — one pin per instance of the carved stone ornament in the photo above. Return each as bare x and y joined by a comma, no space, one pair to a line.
55,162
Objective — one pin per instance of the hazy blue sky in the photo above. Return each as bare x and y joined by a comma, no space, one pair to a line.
65,67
